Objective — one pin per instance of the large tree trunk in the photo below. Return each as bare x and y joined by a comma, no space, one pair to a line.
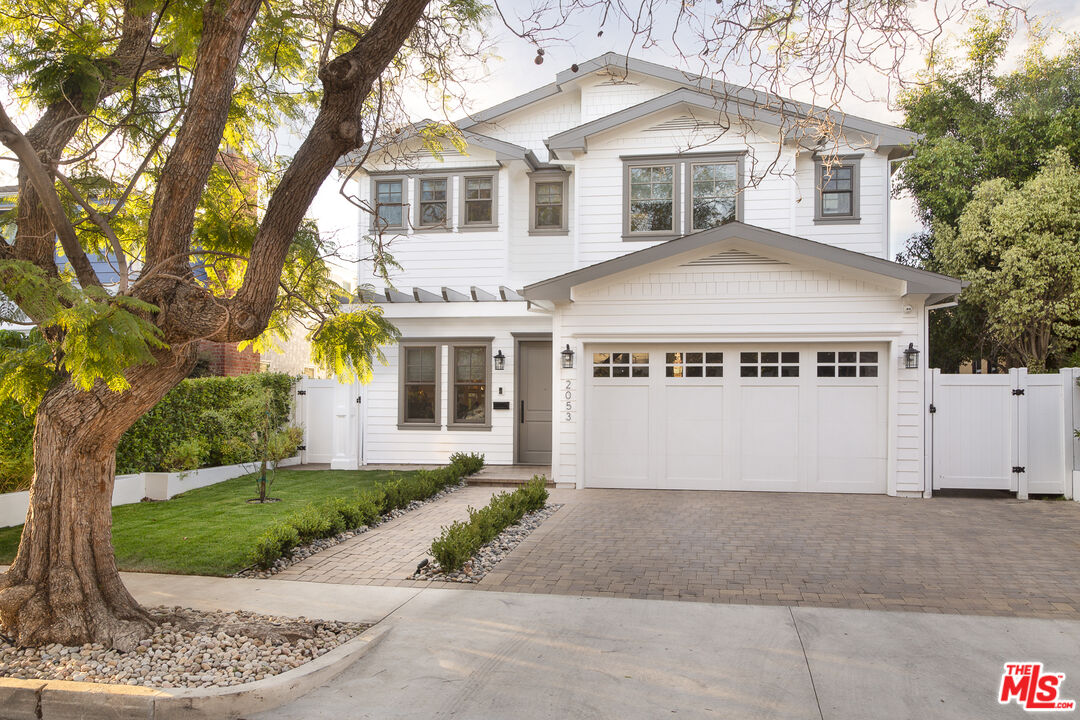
64,586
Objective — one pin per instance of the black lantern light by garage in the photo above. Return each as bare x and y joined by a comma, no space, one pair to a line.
500,360
911,357
567,357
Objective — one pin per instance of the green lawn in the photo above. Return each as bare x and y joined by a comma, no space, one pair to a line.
211,530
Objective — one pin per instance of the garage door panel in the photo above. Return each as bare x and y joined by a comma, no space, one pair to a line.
769,438
850,439
694,437
618,436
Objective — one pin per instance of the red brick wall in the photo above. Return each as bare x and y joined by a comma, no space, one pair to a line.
226,359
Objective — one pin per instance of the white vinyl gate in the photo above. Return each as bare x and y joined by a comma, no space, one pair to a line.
1005,432
333,428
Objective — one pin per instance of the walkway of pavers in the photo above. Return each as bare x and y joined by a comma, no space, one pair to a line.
388,553
976,556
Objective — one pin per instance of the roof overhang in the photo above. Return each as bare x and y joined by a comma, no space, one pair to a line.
504,151
918,282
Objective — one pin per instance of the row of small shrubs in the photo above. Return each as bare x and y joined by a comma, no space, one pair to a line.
335,516
461,540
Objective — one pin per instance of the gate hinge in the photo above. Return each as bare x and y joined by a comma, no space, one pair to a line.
932,408
301,392
301,447
1019,469
1018,391
359,399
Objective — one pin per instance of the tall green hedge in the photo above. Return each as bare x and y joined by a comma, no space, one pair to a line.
185,414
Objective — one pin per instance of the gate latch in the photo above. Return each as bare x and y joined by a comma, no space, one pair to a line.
1018,391
1019,469
932,408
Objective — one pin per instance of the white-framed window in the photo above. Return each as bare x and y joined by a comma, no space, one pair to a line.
390,202
433,202
651,208
694,364
478,207
714,188
769,364
847,363
620,364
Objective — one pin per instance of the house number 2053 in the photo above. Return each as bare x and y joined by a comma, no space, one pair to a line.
568,397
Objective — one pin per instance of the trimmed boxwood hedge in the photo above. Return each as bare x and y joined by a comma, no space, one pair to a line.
184,415
337,515
462,539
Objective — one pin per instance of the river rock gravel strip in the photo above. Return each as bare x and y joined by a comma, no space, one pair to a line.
489,555
188,649
303,552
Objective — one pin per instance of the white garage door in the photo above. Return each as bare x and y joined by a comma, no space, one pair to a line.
810,418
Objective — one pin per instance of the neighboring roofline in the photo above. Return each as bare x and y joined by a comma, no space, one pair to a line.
503,150
918,281
889,135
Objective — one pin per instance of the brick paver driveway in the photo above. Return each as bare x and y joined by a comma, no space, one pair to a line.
959,555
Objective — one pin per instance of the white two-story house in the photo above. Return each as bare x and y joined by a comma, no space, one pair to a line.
640,280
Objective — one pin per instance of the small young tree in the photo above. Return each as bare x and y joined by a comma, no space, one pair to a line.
1020,249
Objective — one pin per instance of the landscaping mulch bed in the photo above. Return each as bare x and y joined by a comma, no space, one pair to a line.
188,649
489,555
303,552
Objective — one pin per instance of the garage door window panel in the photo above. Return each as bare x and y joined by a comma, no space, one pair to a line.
847,363
694,364
624,364
769,364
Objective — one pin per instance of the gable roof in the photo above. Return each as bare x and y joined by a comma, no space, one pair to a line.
704,87
918,281
503,150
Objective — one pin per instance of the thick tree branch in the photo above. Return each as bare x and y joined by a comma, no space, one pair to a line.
184,176
38,174
347,80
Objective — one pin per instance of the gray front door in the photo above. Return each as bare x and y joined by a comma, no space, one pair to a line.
534,402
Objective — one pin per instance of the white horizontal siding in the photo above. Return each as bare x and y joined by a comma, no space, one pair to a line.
384,442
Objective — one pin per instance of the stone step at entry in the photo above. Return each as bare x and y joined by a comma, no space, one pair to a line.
510,475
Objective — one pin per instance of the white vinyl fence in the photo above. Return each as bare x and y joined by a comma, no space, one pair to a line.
1006,432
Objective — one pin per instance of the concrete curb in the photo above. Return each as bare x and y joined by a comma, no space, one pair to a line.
67,700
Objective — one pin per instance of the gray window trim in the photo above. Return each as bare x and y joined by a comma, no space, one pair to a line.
469,227
452,346
405,210
545,176
676,218
852,161
448,226
739,158
404,424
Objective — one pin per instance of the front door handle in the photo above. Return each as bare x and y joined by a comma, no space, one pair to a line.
522,412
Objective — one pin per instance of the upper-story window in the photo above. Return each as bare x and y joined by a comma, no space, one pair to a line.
714,189
390,196
651,207
548,209
478,200
837,197
433,208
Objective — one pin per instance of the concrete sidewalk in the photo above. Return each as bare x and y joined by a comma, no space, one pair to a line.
464,654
